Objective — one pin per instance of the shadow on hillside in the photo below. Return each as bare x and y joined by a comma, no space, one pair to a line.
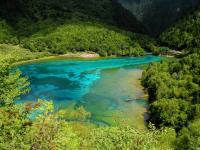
29,17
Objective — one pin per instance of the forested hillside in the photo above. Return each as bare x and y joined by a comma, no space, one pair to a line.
105,11
85,36
157,15
174,86
69,26
185,33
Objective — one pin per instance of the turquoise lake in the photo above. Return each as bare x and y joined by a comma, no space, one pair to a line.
108,88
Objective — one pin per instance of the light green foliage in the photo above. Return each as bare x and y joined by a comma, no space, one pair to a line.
16,54
161,50
11,83
123,138
47,131
90,25
74,25
12,128
43,133
84,36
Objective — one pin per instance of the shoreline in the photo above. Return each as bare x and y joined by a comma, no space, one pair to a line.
80,55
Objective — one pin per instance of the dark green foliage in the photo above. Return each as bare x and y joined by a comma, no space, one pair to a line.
6,33
105,11
156,50
195,112
184,34
170,112
173,88
173,79
189,138
157,15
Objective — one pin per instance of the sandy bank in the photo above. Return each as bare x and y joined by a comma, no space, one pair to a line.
81,55
84,55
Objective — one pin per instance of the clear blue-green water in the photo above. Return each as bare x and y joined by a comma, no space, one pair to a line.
105,87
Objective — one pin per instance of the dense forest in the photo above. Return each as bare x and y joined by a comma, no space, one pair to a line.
61,27
158,15
184,34
36,29
174,86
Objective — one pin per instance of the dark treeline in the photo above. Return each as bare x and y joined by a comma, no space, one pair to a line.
106,11
186,33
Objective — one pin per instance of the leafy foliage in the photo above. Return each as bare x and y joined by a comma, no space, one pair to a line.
184,34
165,80
48,131
44,133
16,54
189,138
73,25
129,138
173,88
11,83
170,112
82,36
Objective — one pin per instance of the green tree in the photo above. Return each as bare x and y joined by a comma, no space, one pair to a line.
12,85
189,137
170,112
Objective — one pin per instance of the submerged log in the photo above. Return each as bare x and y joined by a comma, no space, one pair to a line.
129,100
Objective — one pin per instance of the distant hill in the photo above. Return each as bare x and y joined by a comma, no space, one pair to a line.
157,15
106,11
61,26
185,34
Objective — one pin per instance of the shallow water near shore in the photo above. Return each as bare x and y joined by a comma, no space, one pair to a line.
108,88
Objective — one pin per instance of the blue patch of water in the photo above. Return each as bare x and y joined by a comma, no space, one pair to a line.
70,80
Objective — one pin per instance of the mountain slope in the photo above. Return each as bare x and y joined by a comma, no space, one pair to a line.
106,11
157,15
60,26
185,33
7,33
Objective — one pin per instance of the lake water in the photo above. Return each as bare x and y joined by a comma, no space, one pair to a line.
108,88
